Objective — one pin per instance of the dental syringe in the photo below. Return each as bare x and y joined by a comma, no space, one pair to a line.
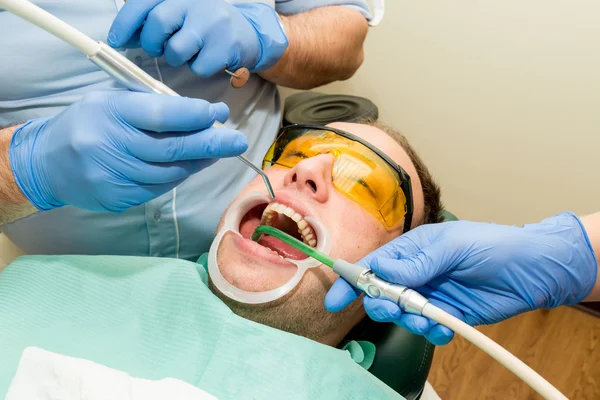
111,61
410,301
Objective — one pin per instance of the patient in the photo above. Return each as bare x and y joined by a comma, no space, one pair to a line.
306,186
154,318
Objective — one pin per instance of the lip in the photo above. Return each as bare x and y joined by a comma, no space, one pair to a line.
261,253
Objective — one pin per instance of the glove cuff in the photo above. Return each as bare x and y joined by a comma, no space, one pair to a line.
21,157
581,265
587,261
271,35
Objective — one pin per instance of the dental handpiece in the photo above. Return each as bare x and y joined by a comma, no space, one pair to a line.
364,279
111,61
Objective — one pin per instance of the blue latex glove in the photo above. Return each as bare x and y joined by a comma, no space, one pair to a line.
481,273
111,151
209,34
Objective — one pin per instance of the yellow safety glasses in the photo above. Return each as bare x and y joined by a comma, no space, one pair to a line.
360,171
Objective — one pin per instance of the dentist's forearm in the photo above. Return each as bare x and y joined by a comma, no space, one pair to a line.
325,45
592,227
13,204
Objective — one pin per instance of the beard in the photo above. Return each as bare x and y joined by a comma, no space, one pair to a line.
301,311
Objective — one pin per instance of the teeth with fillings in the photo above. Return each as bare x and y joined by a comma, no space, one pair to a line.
306,231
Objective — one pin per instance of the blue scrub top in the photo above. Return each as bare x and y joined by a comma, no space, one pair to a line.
40,75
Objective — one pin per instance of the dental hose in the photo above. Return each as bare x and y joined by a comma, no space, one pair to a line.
412,302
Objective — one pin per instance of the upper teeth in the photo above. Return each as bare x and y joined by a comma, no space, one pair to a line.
306,231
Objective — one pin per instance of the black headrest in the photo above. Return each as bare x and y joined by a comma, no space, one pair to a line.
321,109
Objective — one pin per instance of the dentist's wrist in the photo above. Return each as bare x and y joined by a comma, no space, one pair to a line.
23,155
271,34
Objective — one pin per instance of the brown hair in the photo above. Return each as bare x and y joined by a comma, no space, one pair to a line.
432,198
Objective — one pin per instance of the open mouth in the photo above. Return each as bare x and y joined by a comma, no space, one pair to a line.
284,218
269,268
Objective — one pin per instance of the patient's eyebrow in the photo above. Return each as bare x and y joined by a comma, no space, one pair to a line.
296,153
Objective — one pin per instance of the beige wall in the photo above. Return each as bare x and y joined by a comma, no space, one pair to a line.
502,99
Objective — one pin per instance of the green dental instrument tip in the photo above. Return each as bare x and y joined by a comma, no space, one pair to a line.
292,241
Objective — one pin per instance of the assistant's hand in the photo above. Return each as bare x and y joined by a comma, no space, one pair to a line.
209,34
481,273
111,151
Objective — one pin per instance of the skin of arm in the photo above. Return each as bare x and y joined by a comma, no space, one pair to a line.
13,204
592,226
325,45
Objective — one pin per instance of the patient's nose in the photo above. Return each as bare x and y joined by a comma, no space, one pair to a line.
312,176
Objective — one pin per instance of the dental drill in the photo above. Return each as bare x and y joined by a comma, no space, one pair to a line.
111,61
410,301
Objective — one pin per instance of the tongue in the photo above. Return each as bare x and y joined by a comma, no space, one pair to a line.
282,248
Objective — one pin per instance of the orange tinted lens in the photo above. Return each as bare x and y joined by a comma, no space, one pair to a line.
368,180
290,148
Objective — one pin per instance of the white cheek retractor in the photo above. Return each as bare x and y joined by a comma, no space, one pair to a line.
233,218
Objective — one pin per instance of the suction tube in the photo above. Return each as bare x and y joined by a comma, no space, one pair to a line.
284,237
410,301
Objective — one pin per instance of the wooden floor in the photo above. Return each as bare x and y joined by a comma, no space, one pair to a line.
562,345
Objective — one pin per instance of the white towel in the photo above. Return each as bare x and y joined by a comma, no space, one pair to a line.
43,375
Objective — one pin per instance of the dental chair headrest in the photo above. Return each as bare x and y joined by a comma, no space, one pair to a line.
321,109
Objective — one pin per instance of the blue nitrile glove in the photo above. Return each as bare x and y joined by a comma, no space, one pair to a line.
209,34
114,150
481,273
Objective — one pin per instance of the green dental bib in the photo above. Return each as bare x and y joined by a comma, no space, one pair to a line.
154,318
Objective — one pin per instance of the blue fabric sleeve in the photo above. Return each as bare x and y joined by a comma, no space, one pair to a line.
287,7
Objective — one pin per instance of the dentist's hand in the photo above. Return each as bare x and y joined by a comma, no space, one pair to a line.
481,273
111,151
210,35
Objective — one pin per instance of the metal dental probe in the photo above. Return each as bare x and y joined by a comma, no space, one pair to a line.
108,59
